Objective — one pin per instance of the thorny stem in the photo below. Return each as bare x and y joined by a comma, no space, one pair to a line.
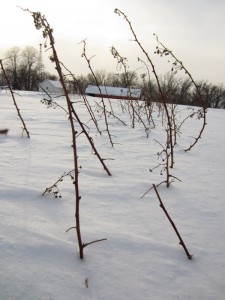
148,112
163,97
122,62
14,100
112,113
179,65
165,150
91,142
84,98
172,223
41,22
98,85
83,130
75,154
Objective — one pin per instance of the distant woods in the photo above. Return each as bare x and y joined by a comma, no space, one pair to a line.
26,70
177,90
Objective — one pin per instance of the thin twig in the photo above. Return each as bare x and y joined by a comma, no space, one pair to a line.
73,227
96,241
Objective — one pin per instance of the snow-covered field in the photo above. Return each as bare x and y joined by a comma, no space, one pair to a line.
141,258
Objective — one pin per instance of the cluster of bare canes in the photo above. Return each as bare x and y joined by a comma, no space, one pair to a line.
104,108
169,145
177,65
103,105
167,110
135,108
139,112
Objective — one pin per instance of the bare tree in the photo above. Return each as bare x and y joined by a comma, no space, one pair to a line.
12,65
128,79
29,60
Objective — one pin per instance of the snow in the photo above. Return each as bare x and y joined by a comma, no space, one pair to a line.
141,258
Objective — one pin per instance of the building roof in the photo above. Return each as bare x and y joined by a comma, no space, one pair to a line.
55,83
115,92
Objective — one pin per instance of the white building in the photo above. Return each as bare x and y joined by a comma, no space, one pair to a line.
113,92
51,86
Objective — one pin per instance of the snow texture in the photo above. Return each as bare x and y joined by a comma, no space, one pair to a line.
141,258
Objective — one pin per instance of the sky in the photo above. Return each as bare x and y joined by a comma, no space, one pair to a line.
193,30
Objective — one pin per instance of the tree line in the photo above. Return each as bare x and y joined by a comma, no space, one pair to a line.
26,70
177,90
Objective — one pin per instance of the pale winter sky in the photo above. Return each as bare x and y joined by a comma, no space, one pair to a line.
193,30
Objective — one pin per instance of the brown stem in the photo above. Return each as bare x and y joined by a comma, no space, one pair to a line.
166,164
163,97
14,100
41,22
90,141
98,86
83,131
172,223
112,113
202,102
91,113
75,155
